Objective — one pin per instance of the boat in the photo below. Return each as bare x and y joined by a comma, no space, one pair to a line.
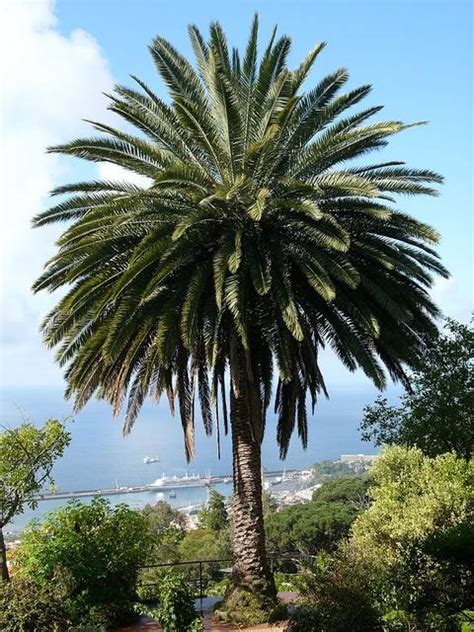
159,482
172,495
150,459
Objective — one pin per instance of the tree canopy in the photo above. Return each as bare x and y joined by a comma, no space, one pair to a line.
27,456
320,524
437,412
93,551
413,496
255,237
214,514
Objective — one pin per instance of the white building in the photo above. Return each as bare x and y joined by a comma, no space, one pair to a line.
357,458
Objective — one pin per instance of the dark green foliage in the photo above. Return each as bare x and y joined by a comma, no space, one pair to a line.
336,596
204,544
175,611
425,593
214,514
352,492
326,471
320,524
455,544
161,517
167,529
436,414
93,552
26,607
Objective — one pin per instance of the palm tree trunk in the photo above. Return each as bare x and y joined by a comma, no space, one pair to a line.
250,567
3,558
251,578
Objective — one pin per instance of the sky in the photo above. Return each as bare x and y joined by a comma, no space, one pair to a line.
59,57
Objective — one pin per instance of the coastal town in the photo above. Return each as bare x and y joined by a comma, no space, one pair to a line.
286,487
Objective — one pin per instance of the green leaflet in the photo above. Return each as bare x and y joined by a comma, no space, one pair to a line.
257,208
236,256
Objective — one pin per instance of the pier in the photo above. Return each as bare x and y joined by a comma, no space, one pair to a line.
167,485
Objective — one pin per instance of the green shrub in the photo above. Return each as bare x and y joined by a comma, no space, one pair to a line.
286,582
25,607
217,587
95,552
336,596
175,611
417,538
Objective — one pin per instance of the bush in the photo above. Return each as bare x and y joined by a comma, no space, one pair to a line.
175,611
96,551
25,607
336,596
417,538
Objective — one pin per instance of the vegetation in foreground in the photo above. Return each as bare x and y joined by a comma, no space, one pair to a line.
27,456
254,243
399,561
393,550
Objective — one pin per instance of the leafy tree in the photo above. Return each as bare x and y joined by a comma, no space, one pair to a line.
203,544
27,456
349,491
413,496
167,528
254,243
96,550
325,471
415,535
309,528
162,516
214,514
436,413
320,524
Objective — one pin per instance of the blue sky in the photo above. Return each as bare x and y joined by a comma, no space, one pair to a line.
417,54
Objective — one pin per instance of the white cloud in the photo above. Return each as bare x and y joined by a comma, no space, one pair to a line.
452,298
116,173
50,82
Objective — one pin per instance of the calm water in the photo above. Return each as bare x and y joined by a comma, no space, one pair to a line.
100,456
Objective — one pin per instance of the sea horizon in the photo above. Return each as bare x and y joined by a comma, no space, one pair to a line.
99,456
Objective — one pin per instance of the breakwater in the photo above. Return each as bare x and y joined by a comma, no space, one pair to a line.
161,485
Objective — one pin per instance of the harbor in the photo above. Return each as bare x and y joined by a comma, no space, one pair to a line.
165,484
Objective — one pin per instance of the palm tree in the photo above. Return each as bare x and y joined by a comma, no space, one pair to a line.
254,242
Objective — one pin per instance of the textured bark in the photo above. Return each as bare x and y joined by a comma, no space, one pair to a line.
3,558
251,570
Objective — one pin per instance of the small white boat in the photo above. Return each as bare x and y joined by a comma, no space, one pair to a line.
150,459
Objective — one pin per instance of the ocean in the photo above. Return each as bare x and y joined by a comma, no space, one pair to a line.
99,456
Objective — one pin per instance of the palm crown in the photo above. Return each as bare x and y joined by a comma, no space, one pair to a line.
254,234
